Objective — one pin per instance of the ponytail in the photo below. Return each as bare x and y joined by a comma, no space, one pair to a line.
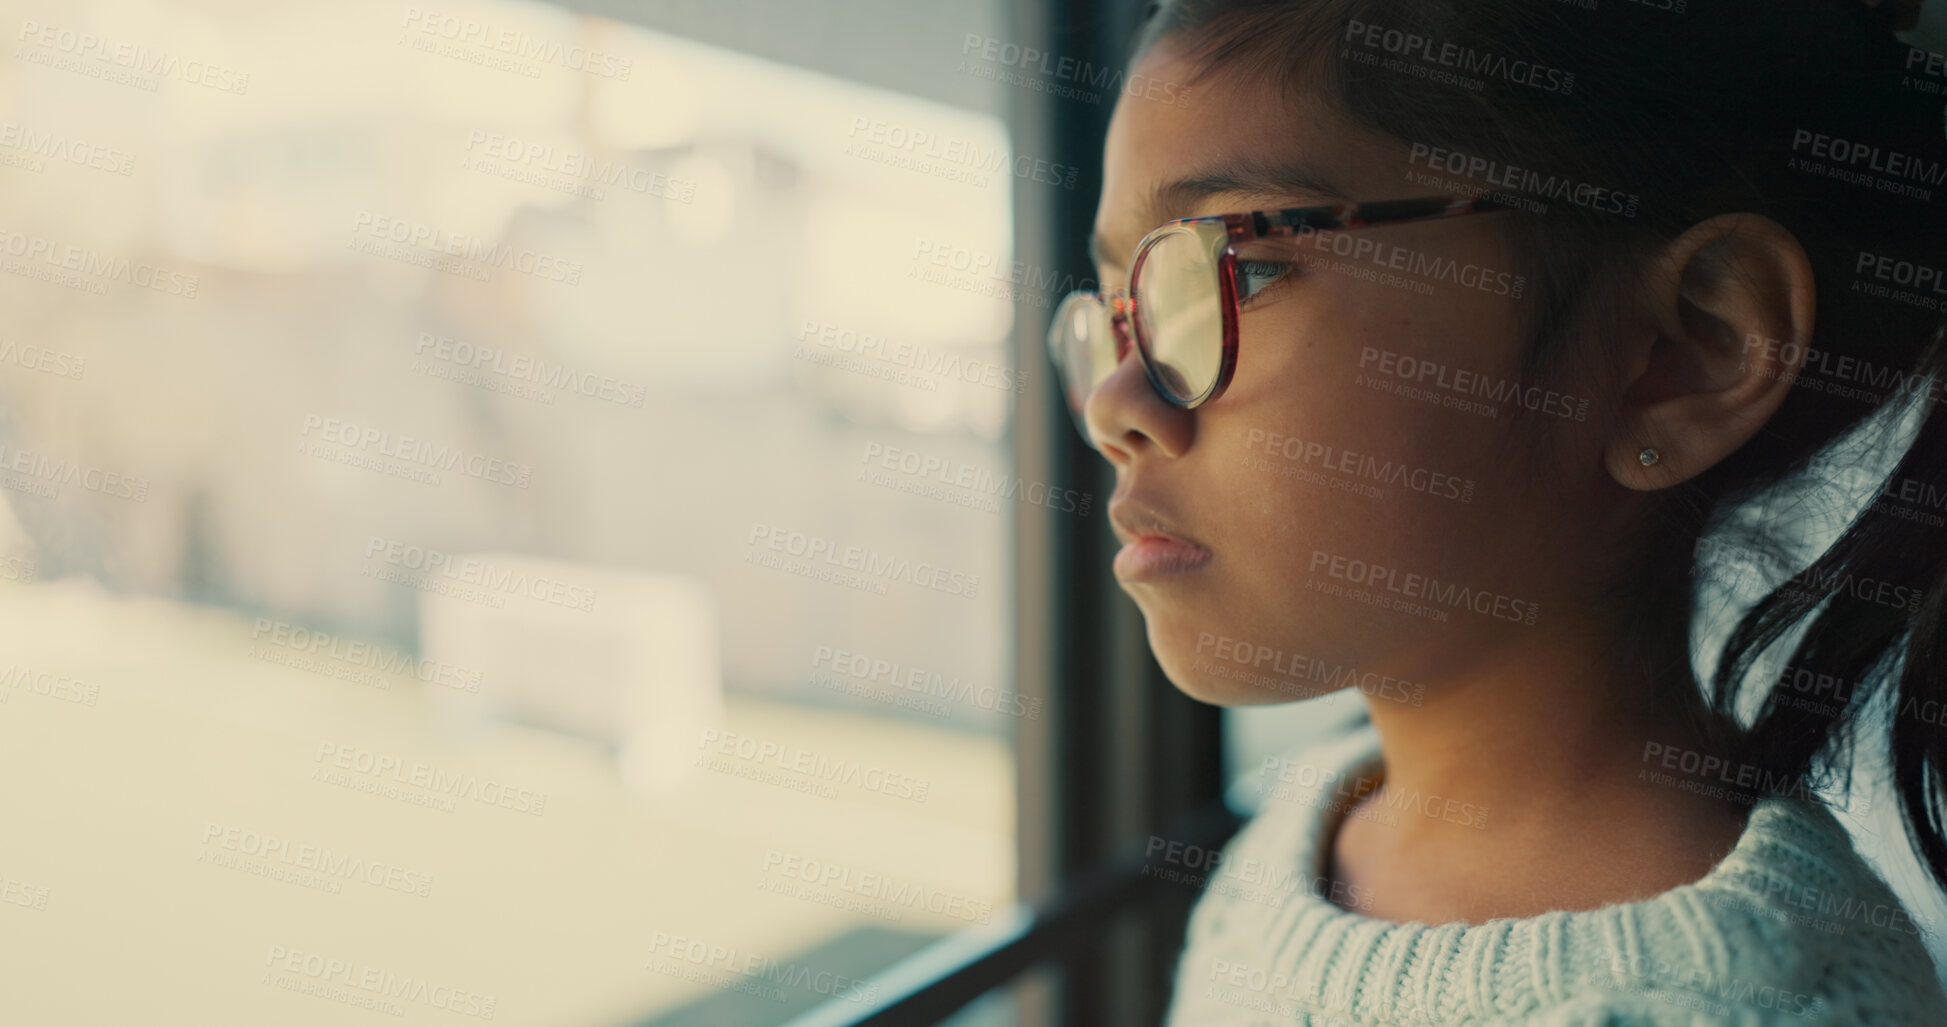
1877,600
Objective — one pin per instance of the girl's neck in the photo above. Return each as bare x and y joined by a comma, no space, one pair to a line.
1515,791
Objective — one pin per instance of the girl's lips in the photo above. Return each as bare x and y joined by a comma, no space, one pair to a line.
1152,546
1155,556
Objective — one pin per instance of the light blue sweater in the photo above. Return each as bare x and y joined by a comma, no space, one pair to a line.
1792,927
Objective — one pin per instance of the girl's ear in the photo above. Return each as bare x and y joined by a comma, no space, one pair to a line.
1732,303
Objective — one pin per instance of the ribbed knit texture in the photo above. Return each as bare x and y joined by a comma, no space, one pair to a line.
1792,927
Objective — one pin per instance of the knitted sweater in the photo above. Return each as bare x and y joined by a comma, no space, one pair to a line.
1792,927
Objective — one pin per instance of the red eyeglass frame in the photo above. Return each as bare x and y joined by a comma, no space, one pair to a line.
1122,304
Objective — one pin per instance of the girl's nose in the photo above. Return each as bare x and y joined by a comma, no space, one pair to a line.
1125,415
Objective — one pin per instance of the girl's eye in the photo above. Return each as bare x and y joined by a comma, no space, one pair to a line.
1256,277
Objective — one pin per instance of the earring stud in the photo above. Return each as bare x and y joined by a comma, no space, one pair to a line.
1649,457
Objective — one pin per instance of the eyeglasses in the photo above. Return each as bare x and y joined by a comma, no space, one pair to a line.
1186,286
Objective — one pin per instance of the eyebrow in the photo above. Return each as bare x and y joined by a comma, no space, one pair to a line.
1239,177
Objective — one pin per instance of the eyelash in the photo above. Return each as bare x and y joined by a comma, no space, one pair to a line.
1281,272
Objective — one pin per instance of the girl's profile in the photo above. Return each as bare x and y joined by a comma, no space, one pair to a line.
1509,360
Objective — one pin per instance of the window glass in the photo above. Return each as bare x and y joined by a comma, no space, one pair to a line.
504,513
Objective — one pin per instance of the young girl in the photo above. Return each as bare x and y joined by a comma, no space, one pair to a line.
1492,326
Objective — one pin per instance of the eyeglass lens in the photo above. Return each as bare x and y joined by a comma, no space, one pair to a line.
1178,320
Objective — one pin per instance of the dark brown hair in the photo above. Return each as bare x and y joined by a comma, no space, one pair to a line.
1692,113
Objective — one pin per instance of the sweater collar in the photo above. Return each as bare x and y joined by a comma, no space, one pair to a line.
1361,967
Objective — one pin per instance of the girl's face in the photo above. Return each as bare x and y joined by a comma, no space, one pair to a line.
1368,521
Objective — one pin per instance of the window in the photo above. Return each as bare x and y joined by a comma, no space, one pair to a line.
507,512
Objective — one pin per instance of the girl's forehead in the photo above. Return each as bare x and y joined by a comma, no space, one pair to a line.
1236,136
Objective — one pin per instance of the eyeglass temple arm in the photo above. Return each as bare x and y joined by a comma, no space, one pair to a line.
1354,215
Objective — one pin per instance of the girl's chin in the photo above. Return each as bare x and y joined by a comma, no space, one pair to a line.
1198,681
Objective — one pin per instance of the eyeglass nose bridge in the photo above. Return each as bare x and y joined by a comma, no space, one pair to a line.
1121,307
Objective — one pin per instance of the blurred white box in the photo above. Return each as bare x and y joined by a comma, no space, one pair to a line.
627,658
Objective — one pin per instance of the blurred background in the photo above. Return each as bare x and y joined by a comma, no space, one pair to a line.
491,502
